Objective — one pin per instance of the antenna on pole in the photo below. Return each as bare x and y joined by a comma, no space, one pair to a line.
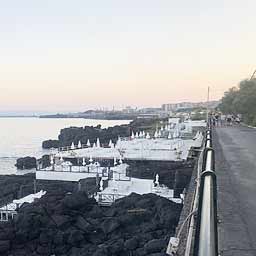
207,110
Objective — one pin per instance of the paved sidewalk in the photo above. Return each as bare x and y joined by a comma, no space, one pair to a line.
235,149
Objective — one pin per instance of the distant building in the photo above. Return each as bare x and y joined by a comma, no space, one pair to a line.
129,110
186,105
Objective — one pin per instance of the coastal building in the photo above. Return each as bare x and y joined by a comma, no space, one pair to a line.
108,164
188,105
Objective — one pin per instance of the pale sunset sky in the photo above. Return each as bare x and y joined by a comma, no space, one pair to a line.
71,55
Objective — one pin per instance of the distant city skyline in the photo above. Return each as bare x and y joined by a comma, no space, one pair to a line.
165,107
60,56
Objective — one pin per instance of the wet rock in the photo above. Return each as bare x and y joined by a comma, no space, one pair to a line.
101,252
132,243
79,201
155,245
84,225
158,254
45,161
75,237
26,163
43,250
116,247
73,224
4,246
60,220
110,225
47,144
58,238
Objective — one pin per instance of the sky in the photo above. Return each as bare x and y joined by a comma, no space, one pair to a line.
62,55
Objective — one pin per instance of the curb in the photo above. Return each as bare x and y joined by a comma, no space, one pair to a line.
249,126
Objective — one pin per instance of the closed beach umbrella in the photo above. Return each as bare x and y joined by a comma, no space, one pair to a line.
72,146
88,143
157,180
52,160
101,185
84,162
79,144
115,163
98,143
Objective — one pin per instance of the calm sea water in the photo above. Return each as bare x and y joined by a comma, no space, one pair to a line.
21,137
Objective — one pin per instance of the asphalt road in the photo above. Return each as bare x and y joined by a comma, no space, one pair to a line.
235,149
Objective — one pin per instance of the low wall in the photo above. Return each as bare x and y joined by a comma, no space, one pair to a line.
65,176
188,201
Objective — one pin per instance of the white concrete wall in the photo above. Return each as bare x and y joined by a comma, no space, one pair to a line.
66,176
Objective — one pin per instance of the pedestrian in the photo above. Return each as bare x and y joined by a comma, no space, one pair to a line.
229,120
222,120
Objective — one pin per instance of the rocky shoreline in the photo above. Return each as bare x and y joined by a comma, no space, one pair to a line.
75,134
71,135
67,222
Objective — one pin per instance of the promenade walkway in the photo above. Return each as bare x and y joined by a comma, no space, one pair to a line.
235,149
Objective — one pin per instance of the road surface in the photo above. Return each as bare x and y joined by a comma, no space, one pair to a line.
235,149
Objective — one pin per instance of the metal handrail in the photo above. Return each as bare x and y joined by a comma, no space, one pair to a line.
206,236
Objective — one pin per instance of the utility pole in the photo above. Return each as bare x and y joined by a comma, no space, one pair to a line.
253,74
207,111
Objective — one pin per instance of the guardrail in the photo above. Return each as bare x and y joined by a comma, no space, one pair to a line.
206,235
202,219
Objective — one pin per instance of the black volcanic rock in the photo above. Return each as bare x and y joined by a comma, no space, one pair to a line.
47,144
135,225
175,175
45,161
132,243
26,163
154,245
4,246
15,186
76,134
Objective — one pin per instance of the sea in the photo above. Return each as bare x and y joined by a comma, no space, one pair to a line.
20,137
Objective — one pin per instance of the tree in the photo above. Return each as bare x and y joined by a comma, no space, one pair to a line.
241,100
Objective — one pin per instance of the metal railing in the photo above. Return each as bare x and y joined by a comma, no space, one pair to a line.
206,235
108,199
